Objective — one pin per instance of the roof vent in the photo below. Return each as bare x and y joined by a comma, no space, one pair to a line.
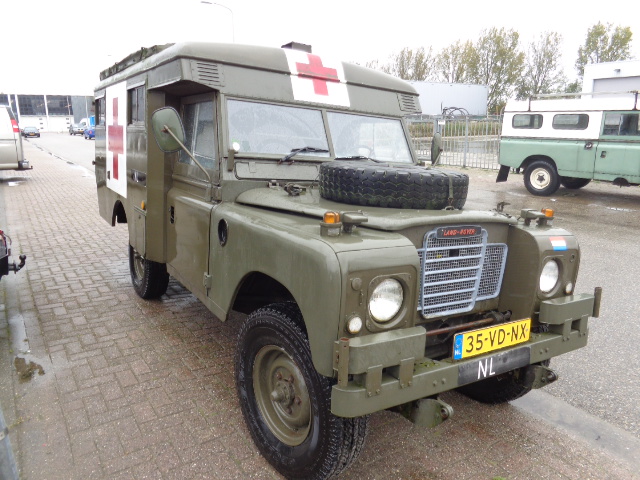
298,46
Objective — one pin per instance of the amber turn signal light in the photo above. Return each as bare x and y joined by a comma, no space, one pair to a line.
331,217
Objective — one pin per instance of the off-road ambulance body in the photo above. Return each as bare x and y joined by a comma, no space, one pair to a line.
283,184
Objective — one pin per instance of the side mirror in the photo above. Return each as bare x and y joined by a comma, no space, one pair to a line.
169,133
168,129
436,148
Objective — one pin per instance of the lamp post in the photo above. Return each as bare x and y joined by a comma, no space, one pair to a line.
233,29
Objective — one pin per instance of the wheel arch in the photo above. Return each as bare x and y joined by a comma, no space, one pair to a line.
532,158
257,290
118,215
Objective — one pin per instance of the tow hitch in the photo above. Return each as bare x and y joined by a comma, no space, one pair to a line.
5,266
430,412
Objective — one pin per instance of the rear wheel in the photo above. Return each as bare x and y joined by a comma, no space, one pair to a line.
502,388
286,403
541,178
573,183
150,279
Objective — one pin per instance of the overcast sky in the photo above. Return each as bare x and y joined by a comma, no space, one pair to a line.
60,46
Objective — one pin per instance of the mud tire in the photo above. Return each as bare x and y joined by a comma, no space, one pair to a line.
150,279
573,183
372,184
273,346
500,389
541,178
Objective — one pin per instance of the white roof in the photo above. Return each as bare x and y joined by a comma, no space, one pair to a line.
586,103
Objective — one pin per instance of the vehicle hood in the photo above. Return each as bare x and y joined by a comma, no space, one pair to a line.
310,203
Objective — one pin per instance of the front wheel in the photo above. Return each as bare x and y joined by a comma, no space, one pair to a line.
286,403
150,279
541,178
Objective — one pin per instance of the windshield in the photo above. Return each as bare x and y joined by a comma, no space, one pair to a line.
276,129
262,128
377,138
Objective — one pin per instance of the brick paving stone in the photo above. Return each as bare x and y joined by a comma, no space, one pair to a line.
139,389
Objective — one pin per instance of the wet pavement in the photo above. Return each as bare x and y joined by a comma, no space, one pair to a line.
97,383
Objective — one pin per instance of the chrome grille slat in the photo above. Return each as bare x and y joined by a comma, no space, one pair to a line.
457,272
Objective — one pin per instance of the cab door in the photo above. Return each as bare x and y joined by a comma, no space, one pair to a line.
189,200
618,152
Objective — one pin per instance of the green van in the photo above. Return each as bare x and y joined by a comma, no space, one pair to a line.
570,142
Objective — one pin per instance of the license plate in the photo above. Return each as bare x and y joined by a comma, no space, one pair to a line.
483,340
486,367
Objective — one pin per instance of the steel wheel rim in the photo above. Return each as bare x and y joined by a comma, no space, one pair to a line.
281,395
138,265
540,178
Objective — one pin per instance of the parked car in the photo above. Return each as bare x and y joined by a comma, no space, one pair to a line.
570,142
89,133
76,129
30,132
11,153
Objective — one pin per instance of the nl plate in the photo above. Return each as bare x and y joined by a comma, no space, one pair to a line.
485,340
493,365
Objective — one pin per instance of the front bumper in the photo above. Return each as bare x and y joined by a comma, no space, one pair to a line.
380,371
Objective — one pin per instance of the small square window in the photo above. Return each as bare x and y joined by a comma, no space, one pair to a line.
571,121
527,121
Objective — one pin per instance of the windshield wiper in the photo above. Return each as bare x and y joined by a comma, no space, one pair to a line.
295,151
354,157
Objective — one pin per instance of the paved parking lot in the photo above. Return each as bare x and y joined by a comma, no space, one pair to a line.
100,384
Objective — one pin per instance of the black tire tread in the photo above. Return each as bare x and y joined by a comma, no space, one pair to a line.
346,436
374,184
573,183
155,279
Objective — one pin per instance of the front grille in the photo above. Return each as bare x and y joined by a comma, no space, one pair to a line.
457,272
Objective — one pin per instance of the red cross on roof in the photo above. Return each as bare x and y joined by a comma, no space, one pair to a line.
318,73
116,137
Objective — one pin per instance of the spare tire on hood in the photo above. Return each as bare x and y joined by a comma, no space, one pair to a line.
373,184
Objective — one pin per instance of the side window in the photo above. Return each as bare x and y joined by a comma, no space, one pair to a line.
621,124
571,121
199,129
527,121
100,111
136,105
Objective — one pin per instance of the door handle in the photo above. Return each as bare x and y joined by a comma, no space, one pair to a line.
603,154
588,146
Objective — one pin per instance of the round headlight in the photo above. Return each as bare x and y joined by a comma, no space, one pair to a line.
386,300
549,276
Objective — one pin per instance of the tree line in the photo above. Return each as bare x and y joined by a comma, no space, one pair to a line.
496,59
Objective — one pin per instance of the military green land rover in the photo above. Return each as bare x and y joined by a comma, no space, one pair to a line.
284,185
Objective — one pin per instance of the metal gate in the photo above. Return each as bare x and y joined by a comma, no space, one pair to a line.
467,140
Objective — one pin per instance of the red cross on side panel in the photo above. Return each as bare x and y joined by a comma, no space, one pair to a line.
318,73
116,136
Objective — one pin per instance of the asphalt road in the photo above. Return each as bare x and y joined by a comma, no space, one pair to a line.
602,379
70,148
599,385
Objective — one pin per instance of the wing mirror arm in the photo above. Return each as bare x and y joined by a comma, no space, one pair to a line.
166,129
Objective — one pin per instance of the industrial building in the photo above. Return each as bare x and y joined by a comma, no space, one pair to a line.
621,76
49,113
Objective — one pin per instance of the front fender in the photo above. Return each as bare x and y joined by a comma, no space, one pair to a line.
314,269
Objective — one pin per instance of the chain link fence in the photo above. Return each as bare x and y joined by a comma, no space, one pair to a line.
467,140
